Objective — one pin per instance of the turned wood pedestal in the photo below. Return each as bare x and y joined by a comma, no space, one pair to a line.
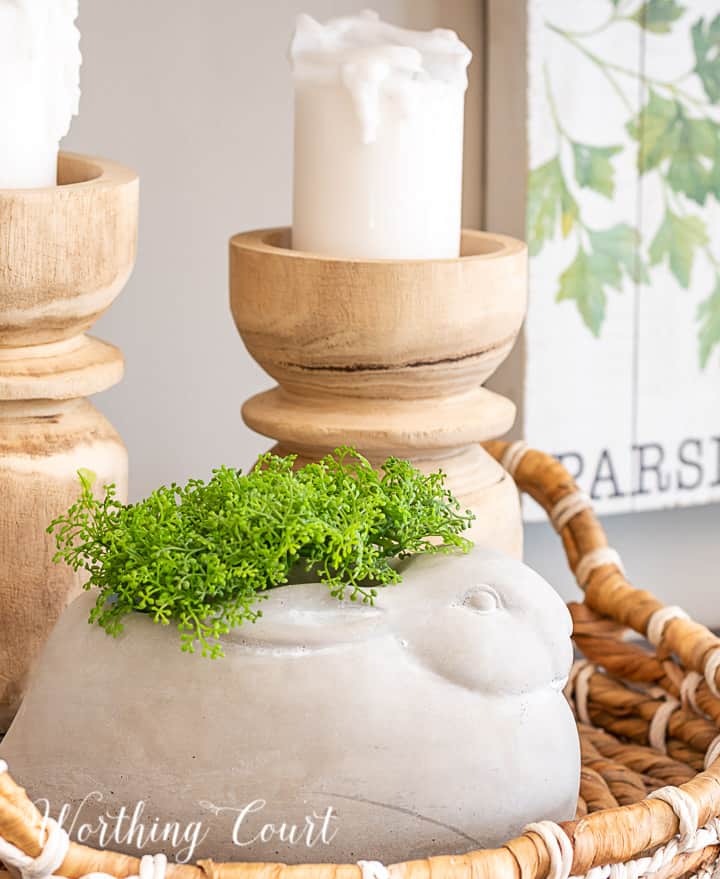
65,254
388,356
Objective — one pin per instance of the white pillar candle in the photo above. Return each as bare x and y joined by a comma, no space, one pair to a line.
379,115
39,88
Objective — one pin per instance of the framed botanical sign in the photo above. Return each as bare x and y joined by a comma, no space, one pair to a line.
612,112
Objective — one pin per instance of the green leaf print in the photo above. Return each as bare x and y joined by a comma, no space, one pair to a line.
548,197
613,255
569,211
658,15
709,317
654,130
664,130
676,134
706,45
582,283
593,168
617,250
688,173
677,239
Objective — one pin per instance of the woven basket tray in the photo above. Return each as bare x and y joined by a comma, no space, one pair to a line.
648,720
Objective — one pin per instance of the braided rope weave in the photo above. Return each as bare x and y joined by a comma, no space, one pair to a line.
648,714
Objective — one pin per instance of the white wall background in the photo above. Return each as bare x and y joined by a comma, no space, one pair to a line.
196,96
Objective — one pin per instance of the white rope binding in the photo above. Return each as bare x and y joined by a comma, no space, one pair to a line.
55,851
660,620
373,870
558,845
690,839
514,454
659,860
683,805
712,753
657,732
578,688
688,692
710,871
569,507
596,558
47,862
712,666
151,867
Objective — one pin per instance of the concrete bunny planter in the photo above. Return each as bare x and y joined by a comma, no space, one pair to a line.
432,722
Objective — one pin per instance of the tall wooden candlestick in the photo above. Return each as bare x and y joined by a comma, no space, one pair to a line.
388,356
65,254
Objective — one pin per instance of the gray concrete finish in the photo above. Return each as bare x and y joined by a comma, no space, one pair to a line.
431,723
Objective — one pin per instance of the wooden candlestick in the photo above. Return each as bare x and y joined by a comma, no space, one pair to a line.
388,356
65,254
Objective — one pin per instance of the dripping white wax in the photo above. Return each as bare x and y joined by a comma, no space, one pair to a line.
379,115
39,88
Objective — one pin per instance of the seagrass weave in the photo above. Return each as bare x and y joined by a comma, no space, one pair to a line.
648,714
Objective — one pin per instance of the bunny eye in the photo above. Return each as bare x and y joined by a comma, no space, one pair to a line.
482,599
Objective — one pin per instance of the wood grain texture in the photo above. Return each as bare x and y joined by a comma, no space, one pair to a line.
74,367
406,329
41,449
388,356
65,254
380,427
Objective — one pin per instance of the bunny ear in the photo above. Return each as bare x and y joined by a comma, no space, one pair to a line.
307,617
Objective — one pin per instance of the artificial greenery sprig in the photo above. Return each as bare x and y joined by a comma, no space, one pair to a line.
203,555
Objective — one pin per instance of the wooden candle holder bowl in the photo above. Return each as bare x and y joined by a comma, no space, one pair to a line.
65,254
388,356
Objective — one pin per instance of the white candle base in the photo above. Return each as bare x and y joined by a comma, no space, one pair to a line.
29,167
378,139
398,197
